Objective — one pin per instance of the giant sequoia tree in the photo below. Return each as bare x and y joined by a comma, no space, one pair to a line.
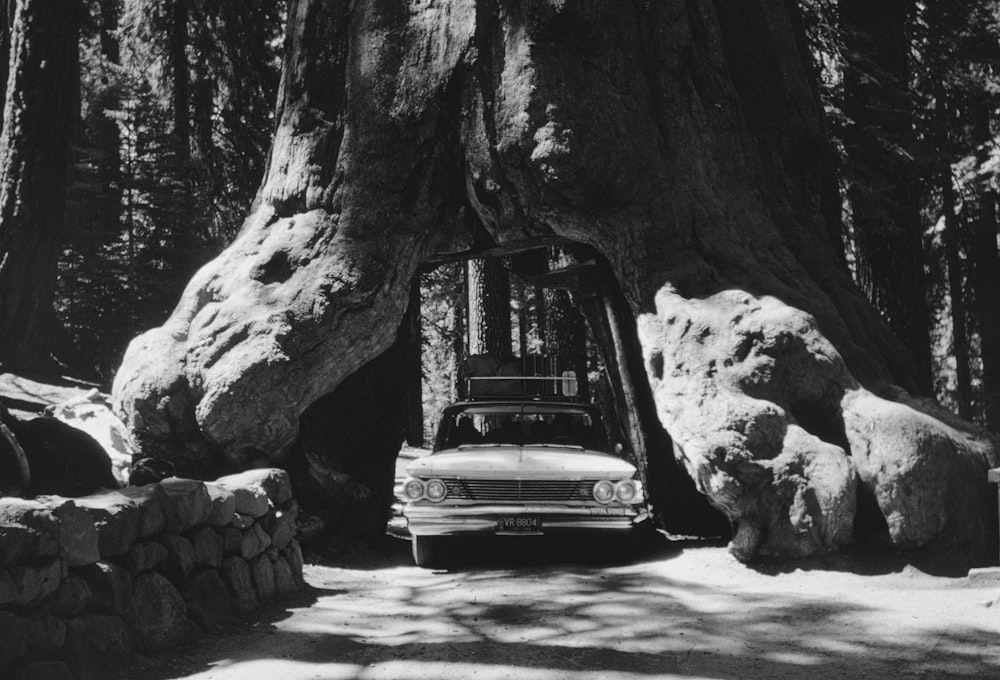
682,143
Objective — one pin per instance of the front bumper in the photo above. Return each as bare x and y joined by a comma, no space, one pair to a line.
453,520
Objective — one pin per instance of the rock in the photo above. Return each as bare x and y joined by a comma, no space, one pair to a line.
46,633
71,598
110,587
117,518
152,519
145,556
91,413
293,553
64,461
232,538
281,528
186,503
208,547
158,617
78,541
13,639
236,575
97,646
27,529
262,574
223,505
241,522
251,501
147,470
274,481
284,579
208,601
28,584
255,541
180,557
43,670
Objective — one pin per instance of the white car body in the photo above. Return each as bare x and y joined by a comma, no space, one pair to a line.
527,481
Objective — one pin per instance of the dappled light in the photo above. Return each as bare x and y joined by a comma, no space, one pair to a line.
691,612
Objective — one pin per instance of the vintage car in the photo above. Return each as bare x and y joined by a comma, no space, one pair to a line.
518,467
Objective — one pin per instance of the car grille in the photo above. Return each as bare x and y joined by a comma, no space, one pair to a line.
519,491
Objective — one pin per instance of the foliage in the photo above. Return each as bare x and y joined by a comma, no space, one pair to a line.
150,202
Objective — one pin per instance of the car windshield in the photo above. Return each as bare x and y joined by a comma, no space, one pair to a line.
521,425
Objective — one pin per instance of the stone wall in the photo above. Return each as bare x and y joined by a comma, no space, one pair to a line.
88,583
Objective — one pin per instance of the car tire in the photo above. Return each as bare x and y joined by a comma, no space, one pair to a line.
428,551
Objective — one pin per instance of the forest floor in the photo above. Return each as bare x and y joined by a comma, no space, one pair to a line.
681,609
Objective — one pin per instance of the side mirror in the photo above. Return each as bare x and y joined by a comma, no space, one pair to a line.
619,449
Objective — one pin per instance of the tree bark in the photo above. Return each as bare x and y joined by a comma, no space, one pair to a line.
181,77
683,143
882,188
489,308
40,114
985,264
412,366
956,294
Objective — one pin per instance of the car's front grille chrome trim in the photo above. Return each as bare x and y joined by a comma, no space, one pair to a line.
519,491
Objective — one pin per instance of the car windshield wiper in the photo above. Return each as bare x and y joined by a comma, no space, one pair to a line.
485,445
550,445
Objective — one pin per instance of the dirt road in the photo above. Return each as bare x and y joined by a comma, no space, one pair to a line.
679,612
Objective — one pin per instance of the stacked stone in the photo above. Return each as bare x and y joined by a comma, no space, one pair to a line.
87,583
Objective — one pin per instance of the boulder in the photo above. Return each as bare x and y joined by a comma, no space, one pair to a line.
208,601
208,547
281,527
777,433
223,505
110,587
145,556
92,413
71,598
117,518
274,481
285,581
293,553
25,584
180,557
251,501
232,539
46,633
158,616
63,460
27,529
98,646
186,503
255,541
78,541
236,575
262,574
13,639
152,518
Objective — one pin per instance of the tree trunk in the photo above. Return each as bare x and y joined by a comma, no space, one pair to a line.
40,113
682,143
181,77
489,308
412,366
956,294
882,188
985,265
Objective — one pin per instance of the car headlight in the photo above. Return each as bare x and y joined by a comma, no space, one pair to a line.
604,491
413,489
626,491
436,490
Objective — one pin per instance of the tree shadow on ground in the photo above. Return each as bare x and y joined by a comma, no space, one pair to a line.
546,612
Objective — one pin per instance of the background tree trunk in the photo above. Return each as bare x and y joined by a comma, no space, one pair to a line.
882,189
489,308
40,115
683,144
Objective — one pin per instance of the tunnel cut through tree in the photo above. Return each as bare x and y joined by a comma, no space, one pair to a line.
683,143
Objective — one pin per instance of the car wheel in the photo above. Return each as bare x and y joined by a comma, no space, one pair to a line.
428,551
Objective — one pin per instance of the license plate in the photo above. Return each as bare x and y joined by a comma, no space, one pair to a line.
519,525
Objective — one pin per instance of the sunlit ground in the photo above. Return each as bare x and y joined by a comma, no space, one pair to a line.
676,613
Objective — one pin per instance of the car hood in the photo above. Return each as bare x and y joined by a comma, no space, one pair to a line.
516,462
